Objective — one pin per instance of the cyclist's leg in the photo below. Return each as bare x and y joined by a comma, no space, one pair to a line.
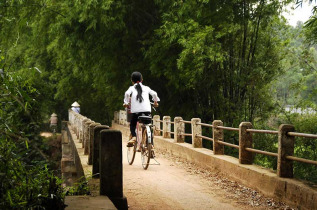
133,122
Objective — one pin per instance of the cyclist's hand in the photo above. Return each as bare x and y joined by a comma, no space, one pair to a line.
155,104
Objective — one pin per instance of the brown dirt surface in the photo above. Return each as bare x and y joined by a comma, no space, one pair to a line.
178,184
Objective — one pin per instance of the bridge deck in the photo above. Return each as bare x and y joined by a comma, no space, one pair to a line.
170,186
174,184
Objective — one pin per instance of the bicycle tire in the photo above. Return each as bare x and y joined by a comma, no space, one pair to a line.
146,149
131,154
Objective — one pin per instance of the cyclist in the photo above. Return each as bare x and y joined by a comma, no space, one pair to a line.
140,102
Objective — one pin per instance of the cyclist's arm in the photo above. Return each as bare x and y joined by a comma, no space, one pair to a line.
154,95
127,94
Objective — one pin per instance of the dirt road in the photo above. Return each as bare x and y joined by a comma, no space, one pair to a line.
178,184
170,186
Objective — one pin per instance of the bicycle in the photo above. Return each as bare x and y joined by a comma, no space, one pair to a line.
144,142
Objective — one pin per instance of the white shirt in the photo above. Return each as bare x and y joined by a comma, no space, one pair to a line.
145,105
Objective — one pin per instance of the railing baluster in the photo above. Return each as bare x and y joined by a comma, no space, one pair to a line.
217,134
245,141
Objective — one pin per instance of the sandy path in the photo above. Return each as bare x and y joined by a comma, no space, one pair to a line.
169,186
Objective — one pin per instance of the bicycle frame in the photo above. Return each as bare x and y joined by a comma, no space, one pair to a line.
149,133
139,132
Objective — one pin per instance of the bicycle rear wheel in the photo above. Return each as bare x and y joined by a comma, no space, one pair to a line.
146,149
131,153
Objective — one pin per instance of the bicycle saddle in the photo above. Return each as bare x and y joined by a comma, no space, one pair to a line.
145,119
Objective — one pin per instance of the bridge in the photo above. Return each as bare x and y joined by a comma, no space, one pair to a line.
189,176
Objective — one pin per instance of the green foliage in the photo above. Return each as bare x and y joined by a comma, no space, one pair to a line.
208,59
218,61
311,24
265,142
26,181
25,186
296,86
218,57
305,147
79,188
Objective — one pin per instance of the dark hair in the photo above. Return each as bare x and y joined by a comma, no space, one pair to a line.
136,77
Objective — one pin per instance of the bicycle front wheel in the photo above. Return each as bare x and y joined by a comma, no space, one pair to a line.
146,149
131,153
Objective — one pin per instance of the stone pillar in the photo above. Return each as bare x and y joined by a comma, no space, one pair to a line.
217,134
95,150
245,141
72,122
157,125
81,128
67,162
91,141
122,117
86,136
166,127
285,148
179,129
111,182
70,116
196,130
115,115
77,125
126,122
84,125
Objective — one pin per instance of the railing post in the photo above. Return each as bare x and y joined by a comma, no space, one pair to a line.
71,118
77,125
166,127
196,130
91,141
78,121
73,123
157,125
86,136
126,122
122,117
245,141
68,168
179,129
81,129
217,134
285,148
116,117
95,149
111,182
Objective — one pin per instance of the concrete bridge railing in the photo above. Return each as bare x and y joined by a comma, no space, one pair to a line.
170,135
286,139
103,148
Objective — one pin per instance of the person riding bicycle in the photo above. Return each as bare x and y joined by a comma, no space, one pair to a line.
140,102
